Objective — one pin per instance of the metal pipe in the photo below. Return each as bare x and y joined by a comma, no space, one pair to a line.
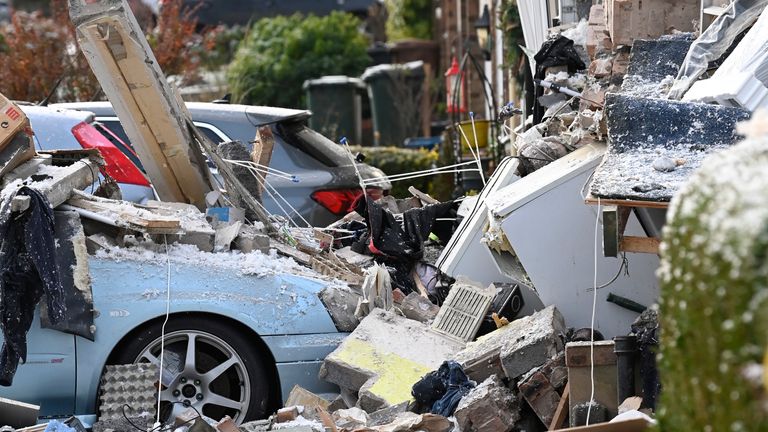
626,303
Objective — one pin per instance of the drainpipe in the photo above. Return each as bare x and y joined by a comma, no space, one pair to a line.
625,348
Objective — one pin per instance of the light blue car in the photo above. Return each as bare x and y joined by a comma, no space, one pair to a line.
243,329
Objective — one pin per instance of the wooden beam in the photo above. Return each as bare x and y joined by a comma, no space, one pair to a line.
640,244
592,200
148,108
562,409
614,222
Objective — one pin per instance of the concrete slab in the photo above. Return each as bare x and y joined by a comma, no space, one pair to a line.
384,357
515,348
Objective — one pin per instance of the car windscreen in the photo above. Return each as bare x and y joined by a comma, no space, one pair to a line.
314,144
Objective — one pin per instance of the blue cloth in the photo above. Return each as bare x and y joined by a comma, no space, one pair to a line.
458,387
440,391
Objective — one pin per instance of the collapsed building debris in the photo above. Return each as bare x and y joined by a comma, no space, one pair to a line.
384,357
490,406
516,348
407,326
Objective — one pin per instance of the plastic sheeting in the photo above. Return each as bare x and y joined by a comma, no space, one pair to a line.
715,41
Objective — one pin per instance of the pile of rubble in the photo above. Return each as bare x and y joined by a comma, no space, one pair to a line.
498,333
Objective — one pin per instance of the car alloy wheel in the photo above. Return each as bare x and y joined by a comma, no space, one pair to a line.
203,371
208,363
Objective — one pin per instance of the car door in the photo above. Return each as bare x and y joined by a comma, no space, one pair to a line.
48,377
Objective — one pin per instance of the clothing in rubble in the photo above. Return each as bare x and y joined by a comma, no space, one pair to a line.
557,51
442,389
401,241
27,271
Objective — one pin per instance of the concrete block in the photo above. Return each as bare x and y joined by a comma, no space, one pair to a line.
351,419
251,239
489,407
341,302
384,357
515,348
578,358
628,20
337,404
387,415
17,414
419,308
301,396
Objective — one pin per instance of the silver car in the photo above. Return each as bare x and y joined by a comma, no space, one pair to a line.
327,183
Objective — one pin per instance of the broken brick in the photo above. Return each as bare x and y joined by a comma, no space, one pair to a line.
628,20
601,67
597,15
598,41
540,395
489,407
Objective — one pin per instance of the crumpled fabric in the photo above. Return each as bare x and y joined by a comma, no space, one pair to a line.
443,388
27,271
557,51
403,241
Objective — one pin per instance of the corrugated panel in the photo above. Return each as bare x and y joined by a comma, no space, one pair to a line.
128,384
463,311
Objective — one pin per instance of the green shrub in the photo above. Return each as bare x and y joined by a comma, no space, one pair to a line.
714,287
409,19
394,160
278,54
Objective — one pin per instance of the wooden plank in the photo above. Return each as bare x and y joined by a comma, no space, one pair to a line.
562,409
592,200
640,244
614,223
148,108
126,215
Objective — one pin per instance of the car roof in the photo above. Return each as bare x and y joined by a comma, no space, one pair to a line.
53,126
258,115
56,114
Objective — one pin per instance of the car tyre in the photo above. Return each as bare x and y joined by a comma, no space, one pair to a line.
226,375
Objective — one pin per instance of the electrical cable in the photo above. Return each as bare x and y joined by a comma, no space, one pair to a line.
477,148
165,321
592,324
382,181
624,265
